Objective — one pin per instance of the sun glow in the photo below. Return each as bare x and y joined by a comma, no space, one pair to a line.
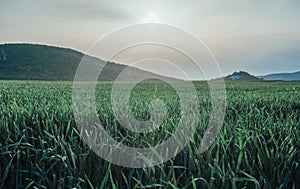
151,18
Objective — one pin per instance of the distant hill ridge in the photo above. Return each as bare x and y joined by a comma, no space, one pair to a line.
282,77
244,76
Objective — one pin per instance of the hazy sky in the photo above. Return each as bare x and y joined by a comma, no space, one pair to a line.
258,36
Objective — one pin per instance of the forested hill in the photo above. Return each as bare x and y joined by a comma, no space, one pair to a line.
41,62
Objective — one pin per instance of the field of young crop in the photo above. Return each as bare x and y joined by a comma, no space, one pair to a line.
258,146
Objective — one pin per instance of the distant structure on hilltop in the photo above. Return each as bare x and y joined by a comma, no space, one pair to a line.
234,77
3,56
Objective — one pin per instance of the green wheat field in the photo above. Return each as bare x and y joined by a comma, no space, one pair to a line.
257,147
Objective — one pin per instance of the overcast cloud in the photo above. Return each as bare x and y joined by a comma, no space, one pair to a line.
257,36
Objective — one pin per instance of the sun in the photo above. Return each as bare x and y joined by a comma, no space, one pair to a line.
151,18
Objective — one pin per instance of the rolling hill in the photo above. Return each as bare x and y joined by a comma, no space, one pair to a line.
241,76
41,62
